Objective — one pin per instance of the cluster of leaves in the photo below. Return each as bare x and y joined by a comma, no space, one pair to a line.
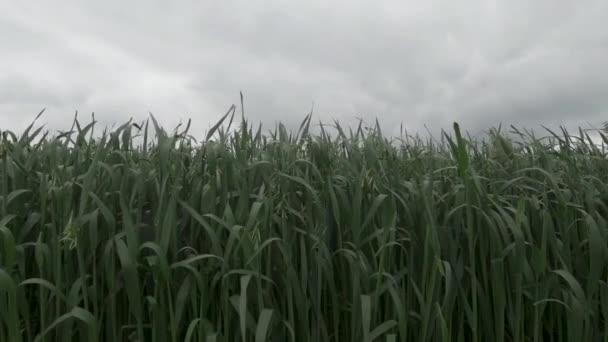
301,237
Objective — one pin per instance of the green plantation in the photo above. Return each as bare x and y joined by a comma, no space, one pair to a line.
316,234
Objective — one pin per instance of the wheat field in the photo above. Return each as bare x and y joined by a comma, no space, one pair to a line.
140,234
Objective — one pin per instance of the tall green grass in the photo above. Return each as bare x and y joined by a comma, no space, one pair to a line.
291,236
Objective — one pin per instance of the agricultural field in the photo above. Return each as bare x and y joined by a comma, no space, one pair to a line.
342,234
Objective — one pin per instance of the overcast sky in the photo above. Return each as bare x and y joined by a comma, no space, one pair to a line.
478,62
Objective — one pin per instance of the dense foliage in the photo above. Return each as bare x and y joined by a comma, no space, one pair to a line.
253,236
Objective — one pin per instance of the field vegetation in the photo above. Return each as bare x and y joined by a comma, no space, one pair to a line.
140,234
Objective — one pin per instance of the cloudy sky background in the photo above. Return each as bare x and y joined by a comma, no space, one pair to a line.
416,63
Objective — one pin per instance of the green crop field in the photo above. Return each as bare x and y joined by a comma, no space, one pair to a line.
316,234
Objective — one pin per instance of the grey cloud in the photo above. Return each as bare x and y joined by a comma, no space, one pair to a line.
417,63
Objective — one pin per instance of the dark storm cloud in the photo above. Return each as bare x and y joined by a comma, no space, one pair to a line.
418,63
